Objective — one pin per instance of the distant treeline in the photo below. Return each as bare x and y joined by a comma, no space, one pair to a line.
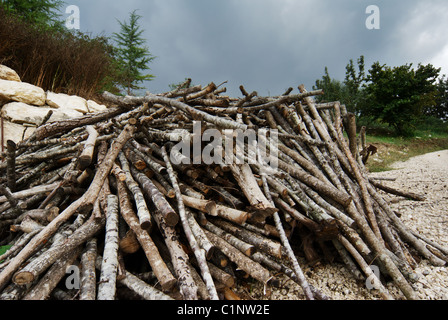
404,98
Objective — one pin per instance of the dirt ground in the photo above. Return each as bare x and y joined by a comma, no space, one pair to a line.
426,175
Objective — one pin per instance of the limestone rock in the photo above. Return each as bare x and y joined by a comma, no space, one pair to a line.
95,107
7,73
21,113
15,132
22,92
65,101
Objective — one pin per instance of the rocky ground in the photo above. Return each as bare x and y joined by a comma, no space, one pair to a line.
427,175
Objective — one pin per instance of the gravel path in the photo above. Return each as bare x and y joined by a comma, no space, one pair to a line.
427,175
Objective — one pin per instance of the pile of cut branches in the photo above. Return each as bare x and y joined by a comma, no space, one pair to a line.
181,194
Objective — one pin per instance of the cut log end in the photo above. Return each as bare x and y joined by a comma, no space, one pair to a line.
146,225
23,277
171,219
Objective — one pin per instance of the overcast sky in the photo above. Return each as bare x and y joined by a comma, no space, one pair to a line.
271,45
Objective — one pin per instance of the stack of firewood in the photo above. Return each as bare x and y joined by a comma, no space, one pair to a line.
148,201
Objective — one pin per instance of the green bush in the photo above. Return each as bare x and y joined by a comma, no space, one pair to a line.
55,59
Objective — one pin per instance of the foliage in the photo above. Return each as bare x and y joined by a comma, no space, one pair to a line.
440,108
334,90
44,13
401,97
350,92
132,56
354,85
60,61
398,96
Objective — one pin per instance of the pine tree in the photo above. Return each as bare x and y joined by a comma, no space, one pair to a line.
44,13
132,55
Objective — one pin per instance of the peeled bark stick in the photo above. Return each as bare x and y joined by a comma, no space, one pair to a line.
284,239
261,243
11,165
203,205
50,280
27,225
141,288
159,200
198,252
245,263
86,201
365,268
351,131
200,236
410,195
31,192
142,209
179,259
36,266
89,147
218,121
12,200
234,215
245,178
108,278
88,274
164,276
323,188
362,181
55,127
404,232
246,248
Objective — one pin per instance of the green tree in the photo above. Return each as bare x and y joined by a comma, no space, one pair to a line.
43,13
334,90
440,109
398,96
132,55
354,82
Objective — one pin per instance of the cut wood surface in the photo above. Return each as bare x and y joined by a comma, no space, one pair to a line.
206,194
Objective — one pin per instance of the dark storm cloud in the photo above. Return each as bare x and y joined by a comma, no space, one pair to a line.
270,45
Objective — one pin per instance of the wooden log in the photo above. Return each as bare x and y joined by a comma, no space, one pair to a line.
166,279
31,192
234,215
109,266
88,274
245,178
246,248
55,127
253,268
199,254
203,205
11,165
157,198
200,236
141,288
43,289
85,201
261,243
36,266
142,208
85,159
179,259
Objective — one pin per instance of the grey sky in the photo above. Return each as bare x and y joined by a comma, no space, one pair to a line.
271,45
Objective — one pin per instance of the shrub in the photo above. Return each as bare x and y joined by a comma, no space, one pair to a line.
57,60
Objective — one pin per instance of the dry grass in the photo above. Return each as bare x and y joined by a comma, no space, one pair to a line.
56,61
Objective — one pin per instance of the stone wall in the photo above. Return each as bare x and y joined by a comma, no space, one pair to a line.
23,106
